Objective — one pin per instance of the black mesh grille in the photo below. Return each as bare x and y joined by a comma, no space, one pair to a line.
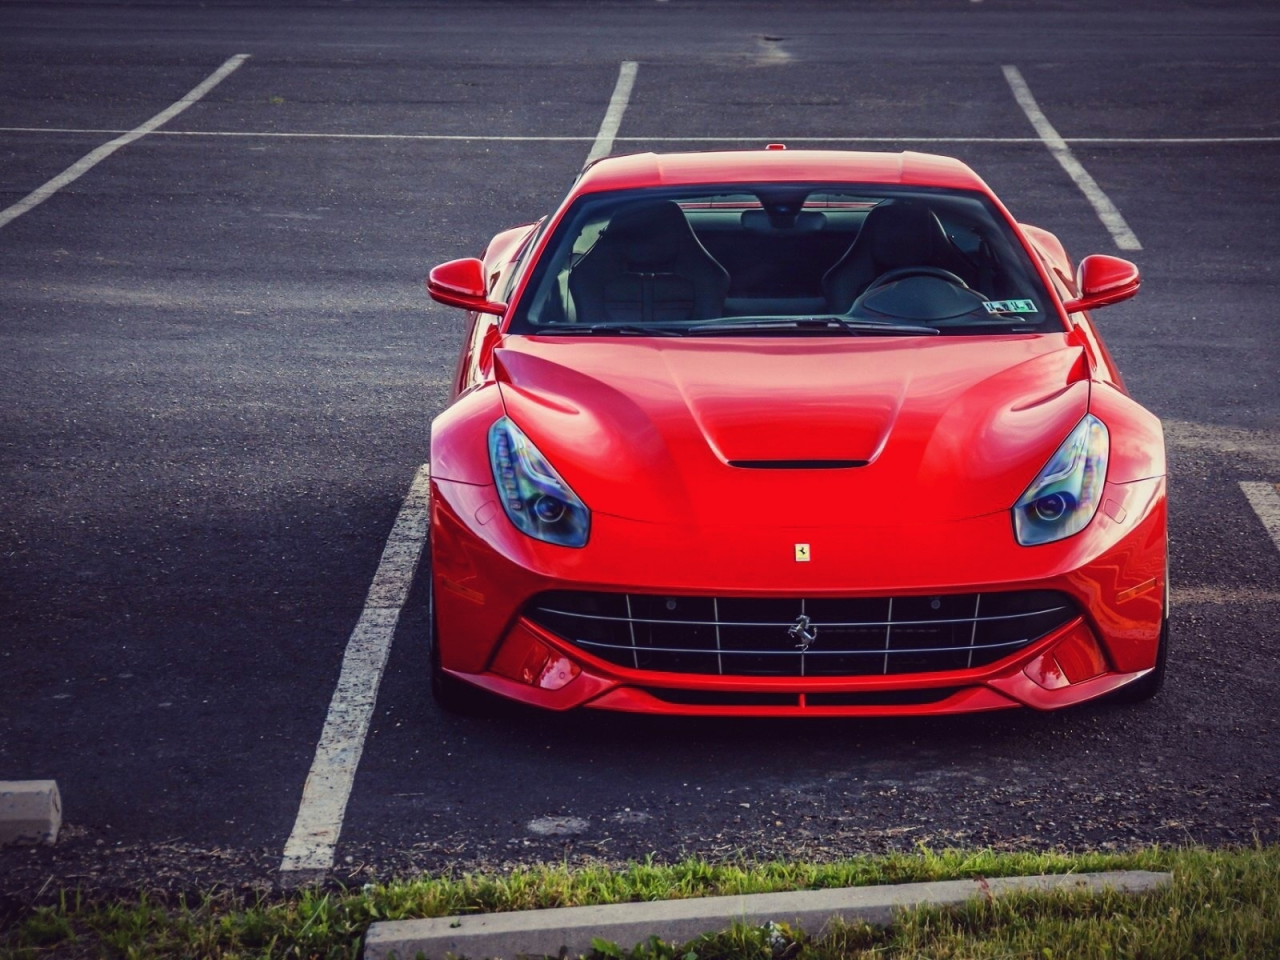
795,637
867,698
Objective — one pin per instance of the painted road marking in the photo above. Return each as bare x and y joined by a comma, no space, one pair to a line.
94,157
552,138
613,115
1265,499
1124,237
1260,446
309,851
308,854
1223,596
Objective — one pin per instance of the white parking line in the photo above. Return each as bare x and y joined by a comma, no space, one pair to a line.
1265,499
1111,219
613,116
308,854
94,157
552,138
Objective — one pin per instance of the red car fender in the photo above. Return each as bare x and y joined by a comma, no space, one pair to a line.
1137,438
459,437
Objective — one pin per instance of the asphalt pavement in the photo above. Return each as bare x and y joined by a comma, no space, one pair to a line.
218,369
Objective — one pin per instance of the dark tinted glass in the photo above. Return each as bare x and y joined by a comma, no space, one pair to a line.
680,258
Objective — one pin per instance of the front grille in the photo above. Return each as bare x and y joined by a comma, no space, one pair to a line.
801,637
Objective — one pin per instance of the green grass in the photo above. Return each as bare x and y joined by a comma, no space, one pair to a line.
1223,903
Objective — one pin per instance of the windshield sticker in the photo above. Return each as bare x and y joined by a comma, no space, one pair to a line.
1010,306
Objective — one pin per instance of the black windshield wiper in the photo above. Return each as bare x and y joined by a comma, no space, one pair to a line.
1001,319
885,326
850,325
623,329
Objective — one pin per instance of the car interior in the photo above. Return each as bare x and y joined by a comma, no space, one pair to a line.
780,252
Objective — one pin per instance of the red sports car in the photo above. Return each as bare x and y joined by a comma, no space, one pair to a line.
791,433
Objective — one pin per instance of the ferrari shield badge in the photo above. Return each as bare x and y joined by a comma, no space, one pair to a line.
802,553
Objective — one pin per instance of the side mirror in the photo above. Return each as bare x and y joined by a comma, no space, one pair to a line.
1103,280
460,283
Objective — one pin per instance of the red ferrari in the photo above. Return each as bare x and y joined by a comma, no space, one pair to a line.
791,433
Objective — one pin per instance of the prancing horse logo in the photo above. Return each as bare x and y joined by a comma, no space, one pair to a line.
804,632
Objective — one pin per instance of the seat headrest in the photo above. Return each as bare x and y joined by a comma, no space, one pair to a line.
905,234
648,233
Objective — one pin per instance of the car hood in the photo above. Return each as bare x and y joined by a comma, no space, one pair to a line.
766,431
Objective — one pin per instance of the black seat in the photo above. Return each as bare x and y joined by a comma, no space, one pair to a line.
897,233
648,267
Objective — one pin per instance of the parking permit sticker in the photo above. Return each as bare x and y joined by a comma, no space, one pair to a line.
1010,306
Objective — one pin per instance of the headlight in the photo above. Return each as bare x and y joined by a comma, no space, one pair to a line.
535,498
1064,497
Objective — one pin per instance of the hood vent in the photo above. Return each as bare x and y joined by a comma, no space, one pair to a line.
798,464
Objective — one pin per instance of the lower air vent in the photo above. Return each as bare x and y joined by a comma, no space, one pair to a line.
882,698
798,464
868,698
723,698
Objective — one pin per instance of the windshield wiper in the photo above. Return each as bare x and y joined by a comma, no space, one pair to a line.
624,329
1001,319
851,325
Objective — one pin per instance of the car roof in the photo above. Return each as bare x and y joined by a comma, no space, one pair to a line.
773,166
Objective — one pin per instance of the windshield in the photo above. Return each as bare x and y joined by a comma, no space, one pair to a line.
783,258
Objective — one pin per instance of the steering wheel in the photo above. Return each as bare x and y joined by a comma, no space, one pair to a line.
900,273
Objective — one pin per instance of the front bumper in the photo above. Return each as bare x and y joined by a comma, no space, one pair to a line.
485,572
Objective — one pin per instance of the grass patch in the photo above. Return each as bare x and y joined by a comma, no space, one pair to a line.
1223,903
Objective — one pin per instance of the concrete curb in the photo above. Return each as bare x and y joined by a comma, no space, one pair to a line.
547,932
30,811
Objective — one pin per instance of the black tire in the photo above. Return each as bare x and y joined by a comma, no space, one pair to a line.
1149,686
451,694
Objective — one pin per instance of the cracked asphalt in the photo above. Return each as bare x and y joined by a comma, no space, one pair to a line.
218,370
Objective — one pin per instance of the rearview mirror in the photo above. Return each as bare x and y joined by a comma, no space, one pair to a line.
1103,280
460,283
